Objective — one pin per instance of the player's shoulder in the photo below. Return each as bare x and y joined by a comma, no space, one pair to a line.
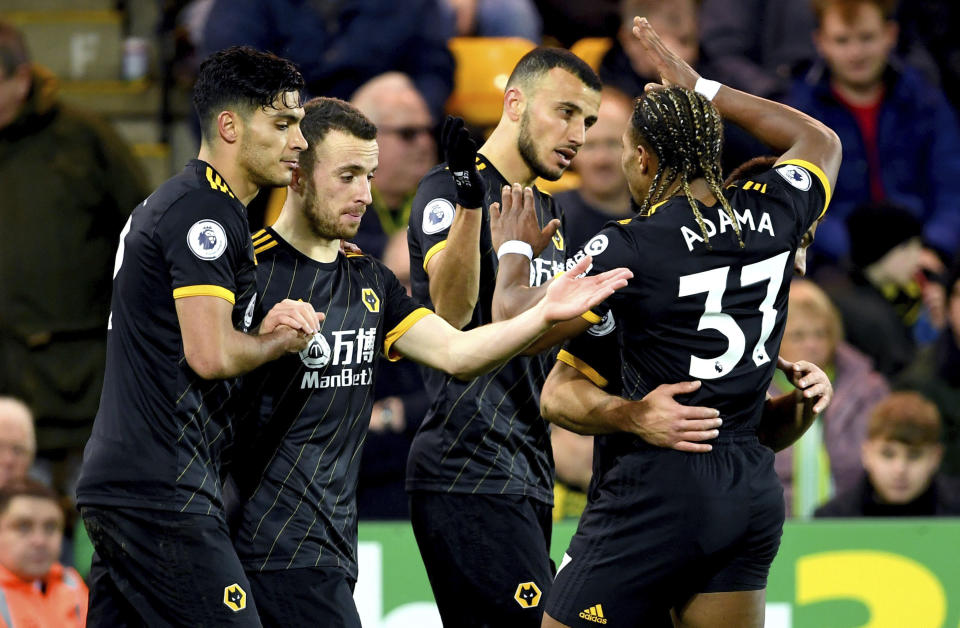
791,177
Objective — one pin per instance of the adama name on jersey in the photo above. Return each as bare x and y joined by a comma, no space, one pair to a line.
745,219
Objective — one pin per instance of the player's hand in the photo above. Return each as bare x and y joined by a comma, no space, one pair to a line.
460,153
515,218
569,295
662,421
296,315
811,382
672,69
291,340
349,247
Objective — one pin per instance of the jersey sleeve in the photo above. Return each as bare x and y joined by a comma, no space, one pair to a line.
401,312
596,354
613,247
431,215
203,238
803,185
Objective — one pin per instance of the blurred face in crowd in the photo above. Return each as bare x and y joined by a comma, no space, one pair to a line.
405,137
337,192
14,88
17,441
900,265
899,472
857,50
31,533
676,23
807,336
557,111
271,141
598,162
953,310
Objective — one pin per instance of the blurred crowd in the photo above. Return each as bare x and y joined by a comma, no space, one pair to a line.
879,309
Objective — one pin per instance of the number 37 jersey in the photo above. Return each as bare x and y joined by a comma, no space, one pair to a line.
705,308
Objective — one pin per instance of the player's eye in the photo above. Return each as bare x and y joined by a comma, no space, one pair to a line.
346,178
283,126
370,177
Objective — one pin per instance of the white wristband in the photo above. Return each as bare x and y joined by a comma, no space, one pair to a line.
515,246
707,88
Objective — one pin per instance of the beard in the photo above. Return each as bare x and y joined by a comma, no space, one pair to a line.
320,222
528,152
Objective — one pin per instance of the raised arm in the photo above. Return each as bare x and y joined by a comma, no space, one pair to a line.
454,271
793,134
431,341
215,350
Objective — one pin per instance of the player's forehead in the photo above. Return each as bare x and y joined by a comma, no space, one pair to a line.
339,149
284,105
557,86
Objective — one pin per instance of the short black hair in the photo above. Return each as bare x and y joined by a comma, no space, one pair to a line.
322,115
242,76
541,60
13,49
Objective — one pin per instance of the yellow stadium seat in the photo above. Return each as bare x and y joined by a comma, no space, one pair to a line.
483,65
592,49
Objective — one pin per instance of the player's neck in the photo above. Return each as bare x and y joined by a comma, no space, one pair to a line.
500,149
232,173
293,228
698,188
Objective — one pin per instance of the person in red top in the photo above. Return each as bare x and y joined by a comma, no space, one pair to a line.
35,590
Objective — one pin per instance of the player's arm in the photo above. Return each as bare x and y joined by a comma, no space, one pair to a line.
572,399
786,130
454,271
786,417
433,342
215,350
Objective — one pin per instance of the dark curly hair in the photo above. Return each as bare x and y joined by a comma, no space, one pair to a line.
541,60
685,131
241,76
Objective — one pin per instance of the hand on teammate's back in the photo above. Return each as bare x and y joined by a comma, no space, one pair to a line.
460,153
660,420
515,218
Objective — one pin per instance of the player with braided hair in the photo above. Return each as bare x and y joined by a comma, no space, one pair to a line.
684,524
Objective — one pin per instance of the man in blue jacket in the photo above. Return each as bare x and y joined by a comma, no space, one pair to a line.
900,136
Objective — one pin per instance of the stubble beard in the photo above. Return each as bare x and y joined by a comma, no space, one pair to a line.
321,224
528,152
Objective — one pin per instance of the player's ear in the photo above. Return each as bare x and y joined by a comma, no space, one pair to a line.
514,103
296,182
228,126
643,157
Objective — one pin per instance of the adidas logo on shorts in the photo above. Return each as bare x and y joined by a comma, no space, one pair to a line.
594,614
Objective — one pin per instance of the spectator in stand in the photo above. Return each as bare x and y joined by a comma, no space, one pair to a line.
36,590
497,18
407,152
603,194
627,68
18,444
756,45
901,456
900,137
338,46
828,454
69,183
936,374
879,296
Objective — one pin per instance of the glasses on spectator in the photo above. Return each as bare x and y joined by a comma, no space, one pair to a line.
407,133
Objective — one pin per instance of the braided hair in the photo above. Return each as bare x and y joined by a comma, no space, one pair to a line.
685,131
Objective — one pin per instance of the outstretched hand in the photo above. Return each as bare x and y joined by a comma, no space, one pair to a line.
662,421
515,218
570,295
811,382
672,69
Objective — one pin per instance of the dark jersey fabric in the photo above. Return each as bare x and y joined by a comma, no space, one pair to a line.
485,435
299,454
714,313
161,431
581,219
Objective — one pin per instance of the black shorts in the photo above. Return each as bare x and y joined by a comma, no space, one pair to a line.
487,556
160,568
314,596
665,525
